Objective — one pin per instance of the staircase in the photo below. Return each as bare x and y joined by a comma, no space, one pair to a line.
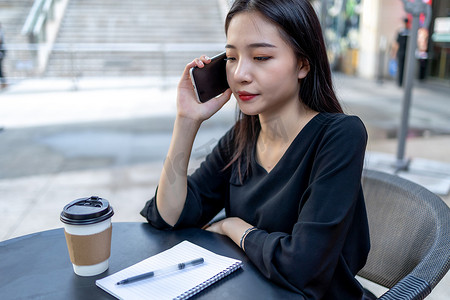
135,37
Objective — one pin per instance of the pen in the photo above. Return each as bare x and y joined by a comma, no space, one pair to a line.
176,267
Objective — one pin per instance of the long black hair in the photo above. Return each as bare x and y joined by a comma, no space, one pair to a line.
299,26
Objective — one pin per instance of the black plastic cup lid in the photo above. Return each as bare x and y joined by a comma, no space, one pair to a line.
86,211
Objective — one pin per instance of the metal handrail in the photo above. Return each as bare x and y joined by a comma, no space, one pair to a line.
42,17
32,16
38,15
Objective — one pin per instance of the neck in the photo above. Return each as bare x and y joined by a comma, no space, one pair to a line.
282,127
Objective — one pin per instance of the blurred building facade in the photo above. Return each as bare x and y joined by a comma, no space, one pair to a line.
360,35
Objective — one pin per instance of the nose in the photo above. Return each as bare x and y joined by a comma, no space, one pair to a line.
241,71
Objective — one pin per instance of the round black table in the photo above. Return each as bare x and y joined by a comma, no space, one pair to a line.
37,266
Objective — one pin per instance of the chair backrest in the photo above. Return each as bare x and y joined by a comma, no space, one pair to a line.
409,233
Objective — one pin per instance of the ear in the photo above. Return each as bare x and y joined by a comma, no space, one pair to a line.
303,68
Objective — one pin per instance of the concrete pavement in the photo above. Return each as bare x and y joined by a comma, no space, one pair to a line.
109,138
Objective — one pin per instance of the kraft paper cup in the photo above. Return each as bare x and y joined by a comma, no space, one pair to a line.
87,227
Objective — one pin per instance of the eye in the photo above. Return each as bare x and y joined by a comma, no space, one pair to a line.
229,58
262,58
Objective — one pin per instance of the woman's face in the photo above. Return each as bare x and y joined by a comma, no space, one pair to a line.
262,69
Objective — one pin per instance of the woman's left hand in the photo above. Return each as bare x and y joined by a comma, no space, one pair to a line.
217,227
232,227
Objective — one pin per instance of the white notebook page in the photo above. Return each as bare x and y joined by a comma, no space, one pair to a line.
170,285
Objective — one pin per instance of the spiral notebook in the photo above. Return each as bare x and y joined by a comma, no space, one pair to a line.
181,284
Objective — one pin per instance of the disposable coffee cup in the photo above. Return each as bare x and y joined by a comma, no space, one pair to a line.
87,227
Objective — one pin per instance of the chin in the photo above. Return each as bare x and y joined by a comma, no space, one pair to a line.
248,110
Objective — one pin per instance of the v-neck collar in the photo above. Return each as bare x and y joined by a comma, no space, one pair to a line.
294,141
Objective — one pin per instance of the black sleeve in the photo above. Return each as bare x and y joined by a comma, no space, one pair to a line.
207,190
305,260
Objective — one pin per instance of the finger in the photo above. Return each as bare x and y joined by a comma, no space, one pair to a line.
199,63
206,226
205,59
188,68
186,72
193,63
202,61
211,229
224,97
219,101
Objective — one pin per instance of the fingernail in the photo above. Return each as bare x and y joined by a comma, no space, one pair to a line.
207,57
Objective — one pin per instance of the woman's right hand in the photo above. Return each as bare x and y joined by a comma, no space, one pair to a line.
187,104
172,187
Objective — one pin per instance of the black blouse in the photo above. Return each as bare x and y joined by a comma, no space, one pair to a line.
312,235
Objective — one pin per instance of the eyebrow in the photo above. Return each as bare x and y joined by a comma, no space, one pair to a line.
254,45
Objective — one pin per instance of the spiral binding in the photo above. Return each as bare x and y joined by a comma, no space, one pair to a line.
207,283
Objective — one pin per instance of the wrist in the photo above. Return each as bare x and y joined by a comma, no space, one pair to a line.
187,122
244,235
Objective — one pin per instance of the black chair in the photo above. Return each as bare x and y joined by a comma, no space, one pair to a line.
410,236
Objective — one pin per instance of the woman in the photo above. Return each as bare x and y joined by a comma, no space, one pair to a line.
289,172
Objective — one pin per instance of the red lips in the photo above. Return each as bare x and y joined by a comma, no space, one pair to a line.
246,96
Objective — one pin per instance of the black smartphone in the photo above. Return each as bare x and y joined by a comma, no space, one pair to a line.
211,80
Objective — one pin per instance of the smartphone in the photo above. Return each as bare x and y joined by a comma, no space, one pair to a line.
211,80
